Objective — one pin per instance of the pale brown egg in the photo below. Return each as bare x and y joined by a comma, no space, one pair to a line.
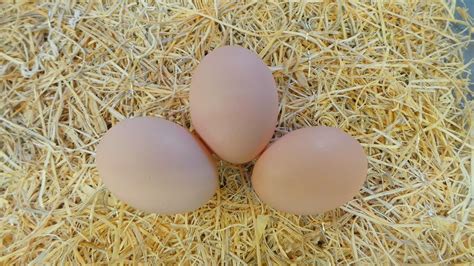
310,171
234,103
156,166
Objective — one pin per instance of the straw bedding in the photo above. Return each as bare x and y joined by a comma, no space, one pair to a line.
390,73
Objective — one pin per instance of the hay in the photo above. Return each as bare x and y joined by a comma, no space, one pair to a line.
391,74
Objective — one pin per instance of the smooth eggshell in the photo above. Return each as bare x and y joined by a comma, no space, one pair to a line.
156,166
234,103
310,171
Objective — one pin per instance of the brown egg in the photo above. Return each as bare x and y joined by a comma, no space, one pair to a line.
310,171
234,103
156,166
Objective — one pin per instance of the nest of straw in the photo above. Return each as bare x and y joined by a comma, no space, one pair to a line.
390,73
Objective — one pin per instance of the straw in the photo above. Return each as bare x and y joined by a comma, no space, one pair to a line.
390,73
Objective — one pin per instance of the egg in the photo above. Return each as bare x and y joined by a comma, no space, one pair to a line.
156,166
234,103
310,171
